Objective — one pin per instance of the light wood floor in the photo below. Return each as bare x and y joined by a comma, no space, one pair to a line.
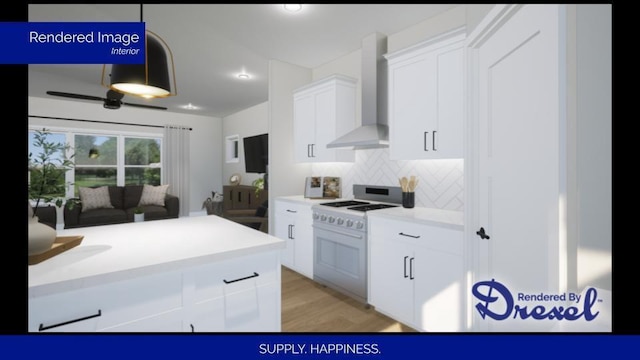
310,307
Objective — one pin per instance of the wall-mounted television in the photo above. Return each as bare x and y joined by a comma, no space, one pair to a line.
256,153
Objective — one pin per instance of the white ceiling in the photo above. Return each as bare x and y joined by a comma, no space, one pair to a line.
212,43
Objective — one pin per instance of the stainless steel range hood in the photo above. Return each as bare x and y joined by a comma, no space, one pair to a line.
374,132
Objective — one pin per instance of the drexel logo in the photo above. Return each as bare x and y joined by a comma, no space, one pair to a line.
491,292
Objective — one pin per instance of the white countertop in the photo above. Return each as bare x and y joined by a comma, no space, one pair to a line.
428,216
116,252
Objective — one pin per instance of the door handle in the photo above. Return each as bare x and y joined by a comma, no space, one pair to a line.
411,268
405,267
411,236
255,274
433,140
482,234
425,140
43,328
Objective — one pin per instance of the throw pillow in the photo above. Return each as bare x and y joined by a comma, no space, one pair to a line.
95,198
153,195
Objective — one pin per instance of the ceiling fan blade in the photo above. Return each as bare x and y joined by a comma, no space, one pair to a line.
75,96
145,106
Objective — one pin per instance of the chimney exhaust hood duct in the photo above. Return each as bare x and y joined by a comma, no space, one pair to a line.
374,132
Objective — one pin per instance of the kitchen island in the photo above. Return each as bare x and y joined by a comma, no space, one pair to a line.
196,274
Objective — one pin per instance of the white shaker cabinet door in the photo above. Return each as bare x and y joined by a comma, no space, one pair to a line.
426,100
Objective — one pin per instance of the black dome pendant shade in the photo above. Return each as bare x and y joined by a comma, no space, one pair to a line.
148,80
151,79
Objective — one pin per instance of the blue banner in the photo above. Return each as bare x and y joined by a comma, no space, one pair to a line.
72,43
303,346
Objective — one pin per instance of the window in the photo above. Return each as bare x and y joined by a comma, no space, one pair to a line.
231,149
107,159
142,161
96,159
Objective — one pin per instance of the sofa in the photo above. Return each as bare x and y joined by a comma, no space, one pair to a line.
123,201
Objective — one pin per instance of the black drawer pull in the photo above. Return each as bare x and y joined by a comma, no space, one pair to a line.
411,236
255,274
43,328
292,211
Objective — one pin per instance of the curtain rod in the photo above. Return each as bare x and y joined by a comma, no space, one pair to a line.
102,122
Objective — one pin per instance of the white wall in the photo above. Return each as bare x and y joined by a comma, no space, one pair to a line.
285,176
594,144
248,122
206,137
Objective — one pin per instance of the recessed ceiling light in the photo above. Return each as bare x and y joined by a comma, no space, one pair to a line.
190,106
293,7
243,76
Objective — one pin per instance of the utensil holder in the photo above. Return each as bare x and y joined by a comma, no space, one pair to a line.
408,199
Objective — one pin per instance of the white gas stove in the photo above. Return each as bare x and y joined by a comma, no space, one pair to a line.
340,238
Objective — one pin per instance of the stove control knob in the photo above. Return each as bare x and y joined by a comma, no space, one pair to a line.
331,219
323,217
340,221
316,216
349,223
359,225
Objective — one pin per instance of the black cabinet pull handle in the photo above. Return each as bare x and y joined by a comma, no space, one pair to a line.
312,152
425,140
482,234
411,236
192,328
292,211
239,196
289,231
293,235
308,150
411,268
43,328
405,267
255,274
433,140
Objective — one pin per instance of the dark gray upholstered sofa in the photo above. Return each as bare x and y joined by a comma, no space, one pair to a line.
124,200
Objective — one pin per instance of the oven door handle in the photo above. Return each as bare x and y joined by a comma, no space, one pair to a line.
339,232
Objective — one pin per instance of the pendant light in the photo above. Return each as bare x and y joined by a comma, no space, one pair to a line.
148,80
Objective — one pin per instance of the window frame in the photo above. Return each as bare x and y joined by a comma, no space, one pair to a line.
70,134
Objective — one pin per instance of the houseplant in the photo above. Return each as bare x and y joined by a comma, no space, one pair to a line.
138,214
47,169
259,185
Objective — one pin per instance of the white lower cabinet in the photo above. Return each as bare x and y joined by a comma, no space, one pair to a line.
240,294
416,274
293,223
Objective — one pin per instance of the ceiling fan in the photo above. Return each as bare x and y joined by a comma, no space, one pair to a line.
112,101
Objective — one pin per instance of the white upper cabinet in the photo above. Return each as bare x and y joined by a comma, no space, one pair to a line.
323,111
426,99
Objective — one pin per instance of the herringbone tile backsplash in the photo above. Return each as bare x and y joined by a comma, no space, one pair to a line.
440,181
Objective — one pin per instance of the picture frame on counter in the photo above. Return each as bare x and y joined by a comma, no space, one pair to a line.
322,187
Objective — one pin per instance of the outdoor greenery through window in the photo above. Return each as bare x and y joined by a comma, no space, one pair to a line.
55,185
107,159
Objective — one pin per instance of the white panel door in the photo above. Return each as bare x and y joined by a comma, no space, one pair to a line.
391,286
304,241
325,125
413,107
519,167
447,141
285,222
303,127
